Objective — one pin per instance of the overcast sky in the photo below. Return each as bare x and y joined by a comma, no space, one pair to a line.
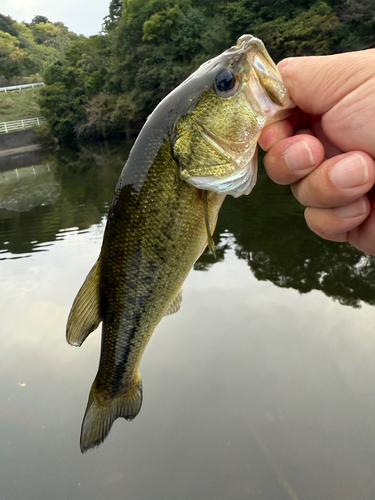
81,16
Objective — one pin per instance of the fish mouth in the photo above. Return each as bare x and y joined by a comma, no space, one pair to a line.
265,82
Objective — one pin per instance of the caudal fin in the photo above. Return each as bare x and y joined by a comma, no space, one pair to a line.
100,415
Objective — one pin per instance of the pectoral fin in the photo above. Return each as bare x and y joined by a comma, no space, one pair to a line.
210,241
85,316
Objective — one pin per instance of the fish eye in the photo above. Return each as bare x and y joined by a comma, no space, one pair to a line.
225,82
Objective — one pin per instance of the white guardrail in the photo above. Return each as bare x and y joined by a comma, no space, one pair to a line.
6,127
20,87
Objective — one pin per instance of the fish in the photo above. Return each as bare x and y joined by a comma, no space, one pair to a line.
198,146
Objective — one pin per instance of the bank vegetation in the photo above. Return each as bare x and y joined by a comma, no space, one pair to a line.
106,85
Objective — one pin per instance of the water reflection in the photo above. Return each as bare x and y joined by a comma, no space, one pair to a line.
26,188
74,190
70,190
271,236
252,391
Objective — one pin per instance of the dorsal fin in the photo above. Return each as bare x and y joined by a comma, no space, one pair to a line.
84,315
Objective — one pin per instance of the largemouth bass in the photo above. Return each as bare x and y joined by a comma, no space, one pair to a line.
197,146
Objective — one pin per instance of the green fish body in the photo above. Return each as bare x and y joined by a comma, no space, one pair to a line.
196,147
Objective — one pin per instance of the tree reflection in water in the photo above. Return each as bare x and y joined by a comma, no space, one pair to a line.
266,228
269,232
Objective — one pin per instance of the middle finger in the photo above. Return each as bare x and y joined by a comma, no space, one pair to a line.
337,181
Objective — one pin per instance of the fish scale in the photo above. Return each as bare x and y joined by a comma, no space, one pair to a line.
161,219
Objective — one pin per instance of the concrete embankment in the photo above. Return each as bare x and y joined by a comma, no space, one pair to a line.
19,149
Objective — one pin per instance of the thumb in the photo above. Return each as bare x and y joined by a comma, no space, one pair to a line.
341,89
318,83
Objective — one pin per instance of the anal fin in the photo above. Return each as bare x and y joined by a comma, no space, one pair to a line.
84,315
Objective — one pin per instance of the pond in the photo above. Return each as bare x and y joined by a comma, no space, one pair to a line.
260,387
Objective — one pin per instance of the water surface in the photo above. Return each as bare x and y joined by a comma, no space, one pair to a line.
260,387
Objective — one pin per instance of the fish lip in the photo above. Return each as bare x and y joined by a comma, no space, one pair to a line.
246,40
255,50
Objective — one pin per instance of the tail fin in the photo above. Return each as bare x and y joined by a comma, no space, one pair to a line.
100,415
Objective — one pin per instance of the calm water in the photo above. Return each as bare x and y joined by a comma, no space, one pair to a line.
261,387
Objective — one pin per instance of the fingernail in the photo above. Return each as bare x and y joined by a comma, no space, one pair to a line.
298,156
349,172
355,209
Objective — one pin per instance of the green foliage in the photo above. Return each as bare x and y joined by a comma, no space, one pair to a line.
11,56
70,86
39,19
29,49
108,84
46,137
313,32
161,25
61,112
6,25
358,24
115,11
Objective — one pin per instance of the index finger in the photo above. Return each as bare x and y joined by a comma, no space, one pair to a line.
291,159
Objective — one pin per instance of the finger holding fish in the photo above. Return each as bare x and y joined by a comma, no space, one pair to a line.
291,158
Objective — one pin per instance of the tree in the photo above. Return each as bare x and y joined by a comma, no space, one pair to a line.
45,33
39,19
38,56
142,64
115,11
358,17
149,46
313,32
161,25
70,85
11,56
6,25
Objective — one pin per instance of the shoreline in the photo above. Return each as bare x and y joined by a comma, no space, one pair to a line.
20,150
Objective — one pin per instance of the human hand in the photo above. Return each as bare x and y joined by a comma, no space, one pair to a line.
326,148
